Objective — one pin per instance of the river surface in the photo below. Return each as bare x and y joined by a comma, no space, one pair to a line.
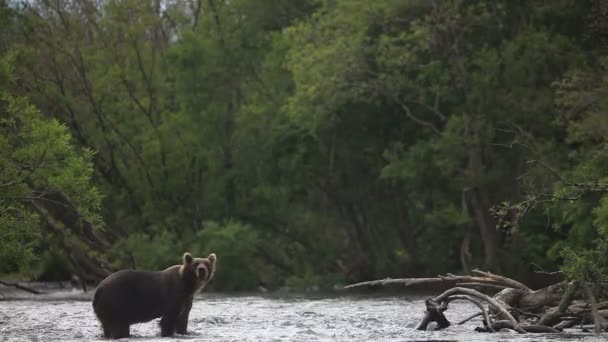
67,315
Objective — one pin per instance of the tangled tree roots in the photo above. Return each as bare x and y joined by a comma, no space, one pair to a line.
513,306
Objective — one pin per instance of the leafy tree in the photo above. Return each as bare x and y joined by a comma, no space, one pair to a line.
313,141
37,162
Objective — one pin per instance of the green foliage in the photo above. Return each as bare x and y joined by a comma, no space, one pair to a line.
37,158
151,252
236,246
51,264
309,143
586,265
18,236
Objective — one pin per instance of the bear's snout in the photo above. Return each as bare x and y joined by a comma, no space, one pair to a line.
201,271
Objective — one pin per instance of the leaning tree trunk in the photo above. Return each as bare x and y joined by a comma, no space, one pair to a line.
84,246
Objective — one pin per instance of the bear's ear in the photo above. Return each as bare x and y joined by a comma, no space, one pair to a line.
187,258
212,258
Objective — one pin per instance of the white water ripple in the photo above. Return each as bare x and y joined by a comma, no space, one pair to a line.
68,316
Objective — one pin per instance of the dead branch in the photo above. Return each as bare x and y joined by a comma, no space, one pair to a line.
598,321
448,279
476,294
524,313
484,312
21,287
551,317
584,187
434,313
510,297
551,309
585,307
470,318
547,296
404,281
532,328
414,118
482,285
567,323
508,282
469,279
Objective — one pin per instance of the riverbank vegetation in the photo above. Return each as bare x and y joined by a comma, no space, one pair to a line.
306,142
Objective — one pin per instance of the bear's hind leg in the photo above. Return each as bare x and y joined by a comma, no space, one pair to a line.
122,331
107,329
115,330
167,326
107,333
181,326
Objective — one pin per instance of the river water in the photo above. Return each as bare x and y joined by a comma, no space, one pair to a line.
68,316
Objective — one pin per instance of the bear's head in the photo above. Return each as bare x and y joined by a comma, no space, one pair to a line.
198,270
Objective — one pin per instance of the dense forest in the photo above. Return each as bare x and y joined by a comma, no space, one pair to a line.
306,142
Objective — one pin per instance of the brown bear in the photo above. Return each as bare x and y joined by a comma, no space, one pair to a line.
128,297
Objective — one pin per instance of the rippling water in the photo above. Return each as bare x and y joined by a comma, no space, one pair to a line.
68,316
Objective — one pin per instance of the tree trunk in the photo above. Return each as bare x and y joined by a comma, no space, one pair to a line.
78,238
405,229
480,201
487,227
465,245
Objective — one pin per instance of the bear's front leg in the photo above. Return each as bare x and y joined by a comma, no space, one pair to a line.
167,325
181,325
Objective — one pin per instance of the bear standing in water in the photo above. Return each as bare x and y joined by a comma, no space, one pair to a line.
128,297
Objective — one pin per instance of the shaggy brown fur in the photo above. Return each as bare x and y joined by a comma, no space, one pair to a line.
128,297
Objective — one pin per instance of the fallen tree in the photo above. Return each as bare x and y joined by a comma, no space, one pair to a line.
21,287
83,244
513,305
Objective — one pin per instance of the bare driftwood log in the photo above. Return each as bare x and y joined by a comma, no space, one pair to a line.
513,305
553,316
434,313
483,312
21,287
494,304
532,328
470,317
504,280
404,281
598,321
